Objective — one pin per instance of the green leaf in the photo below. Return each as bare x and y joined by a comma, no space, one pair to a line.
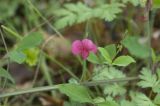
93,58
147,79
30,41
17,56
105,54
142,100
108,103
104,73
157,99
71,14
126,103
31,56
108,12
156,88
4,73
158,73
111,50
65,21
156,4
123,61
76,92
99,100
114,89
76,13
135,48
154,56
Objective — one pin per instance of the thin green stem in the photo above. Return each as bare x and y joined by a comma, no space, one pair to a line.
148,34
55,87
153,12
31,90
87,29
84,71
150,94
103,82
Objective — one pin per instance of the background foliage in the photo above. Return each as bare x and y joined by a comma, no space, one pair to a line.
35,53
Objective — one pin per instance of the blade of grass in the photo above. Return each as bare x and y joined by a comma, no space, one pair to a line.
39,13
11,32
6,48
62,66
46,73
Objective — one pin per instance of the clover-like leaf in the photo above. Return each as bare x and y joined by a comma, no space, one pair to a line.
123,61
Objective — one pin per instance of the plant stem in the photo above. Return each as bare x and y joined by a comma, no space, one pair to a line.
148,34
31,90
102,82
83,71
150,94
55,87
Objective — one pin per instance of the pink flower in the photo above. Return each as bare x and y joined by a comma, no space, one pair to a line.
83,48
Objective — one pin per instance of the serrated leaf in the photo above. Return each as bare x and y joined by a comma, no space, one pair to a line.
156,88
105,54
110,73
84,17
17,56
126,103
158,73
123,61
71,7
104,73
4,73
68,20
147,79
157,99
71,14
114,89
108,12
108,103
135,48
111,50
30,41
99,100
61,12
93,58
142,100
77,13
76,92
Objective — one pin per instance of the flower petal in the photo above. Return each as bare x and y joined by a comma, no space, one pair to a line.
94,49
85,54
77,47
89,45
